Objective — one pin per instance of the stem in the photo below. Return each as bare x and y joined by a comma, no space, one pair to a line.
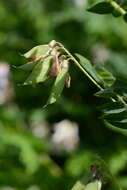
77,63
117,7
87,74
122,101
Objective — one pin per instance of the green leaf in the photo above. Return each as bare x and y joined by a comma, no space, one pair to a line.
116,13
101,8
85,63
112,108
58,85
40,72
96,185
120,117
37,51
106,93
120,87
125,17
116,129
106,76
78,186
27,67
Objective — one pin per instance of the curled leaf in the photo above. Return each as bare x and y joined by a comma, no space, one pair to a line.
40,72
26,67
37,51
96,185
78,186
58,85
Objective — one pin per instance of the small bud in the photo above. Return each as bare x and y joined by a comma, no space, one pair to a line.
68,81
52,43
64,64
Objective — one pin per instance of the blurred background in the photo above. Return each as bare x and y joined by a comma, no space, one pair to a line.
49,148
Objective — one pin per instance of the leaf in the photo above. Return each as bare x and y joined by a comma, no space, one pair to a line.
120,117
112,108
37,51
106,76
96,185
106,93
85,63
78,186
125,17
58,85
114,128
120,87
40,72
27,67
101,8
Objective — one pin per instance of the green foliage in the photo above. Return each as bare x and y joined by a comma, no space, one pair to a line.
29,161
101,8
109,7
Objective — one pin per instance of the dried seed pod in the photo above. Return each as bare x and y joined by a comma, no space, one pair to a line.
55,69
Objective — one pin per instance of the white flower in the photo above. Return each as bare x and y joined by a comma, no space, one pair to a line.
65,136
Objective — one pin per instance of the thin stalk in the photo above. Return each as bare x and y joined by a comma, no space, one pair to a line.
117,7
83,70
122,101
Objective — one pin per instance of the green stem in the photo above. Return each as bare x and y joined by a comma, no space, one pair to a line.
122,101
117,7
80,67
87,74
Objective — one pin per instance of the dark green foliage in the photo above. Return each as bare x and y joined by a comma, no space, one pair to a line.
101,8
28,161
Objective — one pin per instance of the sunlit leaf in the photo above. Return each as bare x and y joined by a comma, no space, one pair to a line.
27,67
78,186
101,8
40,72
96,185
58,85
37,51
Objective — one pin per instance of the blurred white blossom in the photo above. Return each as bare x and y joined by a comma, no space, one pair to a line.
65,136
5,86
100,53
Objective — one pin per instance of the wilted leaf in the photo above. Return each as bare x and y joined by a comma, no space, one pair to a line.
85,63
101,8
96,185
27,67
40,72
37,51
78,186
58,85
